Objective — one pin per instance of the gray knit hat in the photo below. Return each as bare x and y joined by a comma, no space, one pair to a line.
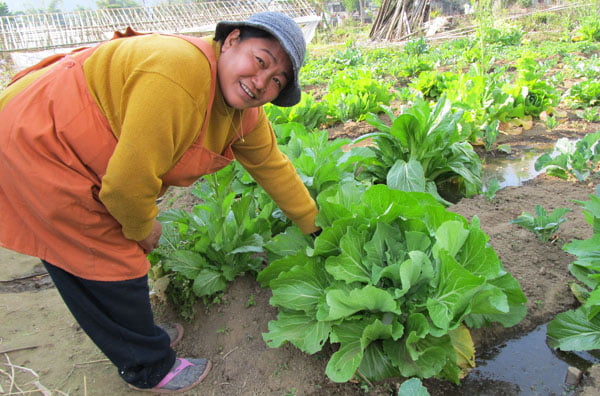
289,35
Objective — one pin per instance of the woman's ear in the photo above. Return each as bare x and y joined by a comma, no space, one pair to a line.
231,40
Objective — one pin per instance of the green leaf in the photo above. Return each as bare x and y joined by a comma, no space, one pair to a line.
241,209
287,243
308,335
349,265
477,255
376,365
389,204
300,288
208,282
456,288
354,338
338,202
252,244
282,265
187,263
415,270
416,240
413,387
328,243
406,176
516,302
343,363
451,237
573,331
340,304
429,356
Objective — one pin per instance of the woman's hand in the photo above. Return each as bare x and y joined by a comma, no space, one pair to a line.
151,241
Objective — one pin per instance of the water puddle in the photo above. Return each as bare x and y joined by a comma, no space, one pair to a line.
524,366
513,170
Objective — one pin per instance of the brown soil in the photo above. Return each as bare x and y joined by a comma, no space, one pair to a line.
38,334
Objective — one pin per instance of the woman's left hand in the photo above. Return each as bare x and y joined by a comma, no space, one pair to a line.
151,241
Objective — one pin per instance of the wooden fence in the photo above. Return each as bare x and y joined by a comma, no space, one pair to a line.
72,29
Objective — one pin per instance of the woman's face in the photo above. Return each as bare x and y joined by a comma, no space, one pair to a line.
252,72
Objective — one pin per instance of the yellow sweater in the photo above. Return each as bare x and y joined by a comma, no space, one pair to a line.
154,91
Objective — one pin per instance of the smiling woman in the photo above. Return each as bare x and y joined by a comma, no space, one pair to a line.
129,118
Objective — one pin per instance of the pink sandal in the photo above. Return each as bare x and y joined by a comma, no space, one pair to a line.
185,374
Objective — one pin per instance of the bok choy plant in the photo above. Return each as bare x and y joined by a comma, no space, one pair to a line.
202,251
394,278
579,329
309,112
320,162
542,224
354,94
572,159
423,149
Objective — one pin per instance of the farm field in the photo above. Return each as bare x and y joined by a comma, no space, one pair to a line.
498,94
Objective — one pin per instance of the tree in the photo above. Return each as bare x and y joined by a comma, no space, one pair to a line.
4,11
117,3
350,5
54,6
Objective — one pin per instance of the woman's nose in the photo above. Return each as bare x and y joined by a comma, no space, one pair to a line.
261,79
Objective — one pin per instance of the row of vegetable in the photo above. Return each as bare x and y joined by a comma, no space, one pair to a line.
395,278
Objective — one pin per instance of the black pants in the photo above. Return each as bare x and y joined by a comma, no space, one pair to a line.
118,317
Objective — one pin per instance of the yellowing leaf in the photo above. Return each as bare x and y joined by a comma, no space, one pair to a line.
159,288
508,129
516,126
464,347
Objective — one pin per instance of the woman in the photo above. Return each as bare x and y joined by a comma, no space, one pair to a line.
89,142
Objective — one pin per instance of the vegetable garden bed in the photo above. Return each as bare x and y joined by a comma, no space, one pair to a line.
407,280
403,282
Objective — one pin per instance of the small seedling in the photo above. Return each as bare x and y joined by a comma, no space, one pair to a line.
491,189
591,114
280,368
544,226
539,303
250,301
551,122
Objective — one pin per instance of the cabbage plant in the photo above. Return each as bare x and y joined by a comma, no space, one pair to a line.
579,329
395,280
422,150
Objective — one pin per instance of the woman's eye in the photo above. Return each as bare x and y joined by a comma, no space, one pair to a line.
260,61
278,82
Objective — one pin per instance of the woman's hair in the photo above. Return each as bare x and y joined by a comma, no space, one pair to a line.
247,32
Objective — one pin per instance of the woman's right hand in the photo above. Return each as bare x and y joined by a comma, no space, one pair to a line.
151,241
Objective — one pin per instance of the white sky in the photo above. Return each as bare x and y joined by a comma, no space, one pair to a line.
66,5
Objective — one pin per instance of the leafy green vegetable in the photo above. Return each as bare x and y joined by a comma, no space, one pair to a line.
423,149
391,279
309,112
579,329
354,94
492,188
219,239
319,161
542,224
589,28
576,159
